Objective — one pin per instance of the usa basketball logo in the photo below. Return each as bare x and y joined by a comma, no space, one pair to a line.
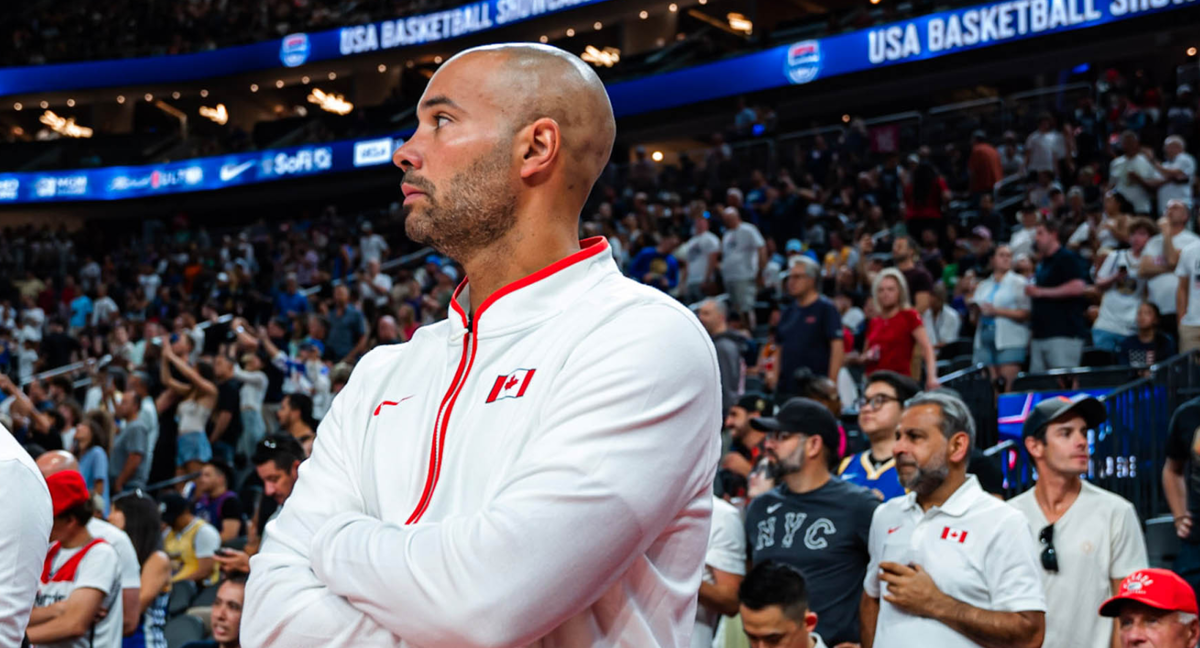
293,50
803,61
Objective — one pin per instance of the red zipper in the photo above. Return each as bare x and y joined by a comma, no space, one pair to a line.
442,421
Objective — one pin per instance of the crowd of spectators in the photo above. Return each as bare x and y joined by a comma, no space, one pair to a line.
831,281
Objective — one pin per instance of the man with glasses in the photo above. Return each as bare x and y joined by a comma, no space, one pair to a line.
1091,538
812,520
879,411
951,566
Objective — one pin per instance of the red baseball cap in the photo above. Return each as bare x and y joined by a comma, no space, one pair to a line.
67,490
1158,588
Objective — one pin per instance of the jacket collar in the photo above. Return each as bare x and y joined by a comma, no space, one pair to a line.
536,297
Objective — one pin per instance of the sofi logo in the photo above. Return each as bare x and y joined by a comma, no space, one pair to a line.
302,161
372,152
293,50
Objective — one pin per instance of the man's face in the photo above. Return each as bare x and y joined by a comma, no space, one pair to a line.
790,450
64,527
1178,215
460,179
223,368
277,483
1142,626
922,452
286,414
1138,239
207,480
1129,144
900,251
738,420
710,316
1173,149
227,613
1045,239
882,419
771,628
1065,450
1146,317
798,281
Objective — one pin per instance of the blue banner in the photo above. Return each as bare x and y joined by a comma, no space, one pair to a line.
919,39
200,174
292,50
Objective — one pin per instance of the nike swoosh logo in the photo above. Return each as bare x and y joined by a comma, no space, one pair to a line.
381,405
774,507
230,172
893,530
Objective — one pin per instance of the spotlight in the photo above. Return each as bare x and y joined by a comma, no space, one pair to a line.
253,87
204,93
543,38
437,60
44,105
644,15
120,99
332,76
382,68
305,80
1191,51
175,95
657,156
597,25
672,7
149,97
571,33
70,103
279,83
17,106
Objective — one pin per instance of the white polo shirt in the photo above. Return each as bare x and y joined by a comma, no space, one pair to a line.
976,548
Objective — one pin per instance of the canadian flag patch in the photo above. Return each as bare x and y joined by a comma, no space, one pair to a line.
512,385
954,535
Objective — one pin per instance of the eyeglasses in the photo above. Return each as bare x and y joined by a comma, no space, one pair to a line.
779,437
877,401
1049,555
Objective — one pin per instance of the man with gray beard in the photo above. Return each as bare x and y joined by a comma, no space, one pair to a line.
950,565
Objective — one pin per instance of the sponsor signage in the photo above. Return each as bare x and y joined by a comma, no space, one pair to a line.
372,152
292,50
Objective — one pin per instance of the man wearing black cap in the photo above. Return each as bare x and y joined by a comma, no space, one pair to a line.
813,520
1090,538
745,448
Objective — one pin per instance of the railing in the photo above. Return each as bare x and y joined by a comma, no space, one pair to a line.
1129,449
383,267
974,385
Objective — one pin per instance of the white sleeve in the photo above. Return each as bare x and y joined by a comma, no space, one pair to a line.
255,378
871,586
727,541
131,569
1080,234
1012,570
286,604
1128,543
757,237
99,570
628,441
207,540
1183,267
950,324
1109,267
1186,164
26,519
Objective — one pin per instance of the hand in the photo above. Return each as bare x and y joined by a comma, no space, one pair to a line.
866,244
233,560
986,309
1032,290
1183,525
165,341
6,384
1164,224
910,588
932,383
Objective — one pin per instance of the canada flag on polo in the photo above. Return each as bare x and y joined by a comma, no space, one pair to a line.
954,535
511,386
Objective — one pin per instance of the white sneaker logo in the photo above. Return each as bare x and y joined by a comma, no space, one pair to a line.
772,508
231,171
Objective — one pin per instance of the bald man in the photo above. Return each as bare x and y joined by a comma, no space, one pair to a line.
536,470
56,461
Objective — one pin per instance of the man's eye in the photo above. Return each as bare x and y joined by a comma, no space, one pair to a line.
440,120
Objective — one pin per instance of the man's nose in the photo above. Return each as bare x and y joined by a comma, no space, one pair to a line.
406,157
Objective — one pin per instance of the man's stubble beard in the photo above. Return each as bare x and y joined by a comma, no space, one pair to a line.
472,210
927,479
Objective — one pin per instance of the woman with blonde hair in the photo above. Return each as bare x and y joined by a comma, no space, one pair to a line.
897,330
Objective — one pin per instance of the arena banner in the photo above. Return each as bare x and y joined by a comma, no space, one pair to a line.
200,174
919,39
292,50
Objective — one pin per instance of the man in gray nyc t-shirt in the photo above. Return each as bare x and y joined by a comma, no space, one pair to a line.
812,520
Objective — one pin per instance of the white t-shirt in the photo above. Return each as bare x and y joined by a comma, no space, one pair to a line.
104,310
1119,305
131,569
25,520
1044,150
948,325
100,569
1022,241
367,292
696,253
1135,193
739,253
853,318
1189,268
372,248
976,548
149,284
1098,540
726,552
1161,288
1177,190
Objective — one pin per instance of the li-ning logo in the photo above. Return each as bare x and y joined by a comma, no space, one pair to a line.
803,62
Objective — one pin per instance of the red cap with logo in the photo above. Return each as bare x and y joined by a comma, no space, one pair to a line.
67,490
1158,588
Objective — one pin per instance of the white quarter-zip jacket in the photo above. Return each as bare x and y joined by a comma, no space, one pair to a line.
539,474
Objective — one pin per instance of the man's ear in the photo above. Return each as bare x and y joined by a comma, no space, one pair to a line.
540,144
960,447
1034,447
810,621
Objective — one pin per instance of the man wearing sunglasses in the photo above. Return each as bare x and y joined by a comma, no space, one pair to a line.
812,520
1090,538
879,411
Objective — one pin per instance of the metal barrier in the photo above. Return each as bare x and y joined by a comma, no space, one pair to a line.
383,267
974,385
